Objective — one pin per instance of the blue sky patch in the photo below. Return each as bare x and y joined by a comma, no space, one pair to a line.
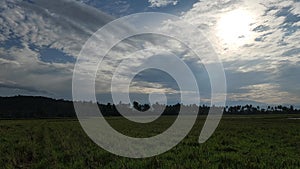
12,42
51,55
121,8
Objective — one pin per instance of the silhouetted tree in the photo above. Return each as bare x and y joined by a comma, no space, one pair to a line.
42,107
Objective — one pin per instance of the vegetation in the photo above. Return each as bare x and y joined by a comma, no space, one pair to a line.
42,107
253,141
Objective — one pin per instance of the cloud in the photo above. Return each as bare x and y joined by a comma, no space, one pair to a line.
291,52
11,85
162,3
266,61
34,34
25,71
64,25
249,66
266,93
261,67
150,80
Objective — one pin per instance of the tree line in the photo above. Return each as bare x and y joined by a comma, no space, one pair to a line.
43,107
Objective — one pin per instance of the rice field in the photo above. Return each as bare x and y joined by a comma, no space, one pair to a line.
270,141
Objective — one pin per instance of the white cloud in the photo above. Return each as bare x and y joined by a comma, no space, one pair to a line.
258,58
259,66
63,25
271,36
162,3
60,24
266,93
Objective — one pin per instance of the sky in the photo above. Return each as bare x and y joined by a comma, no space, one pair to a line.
257,41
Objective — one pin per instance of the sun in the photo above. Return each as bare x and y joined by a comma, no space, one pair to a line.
234,28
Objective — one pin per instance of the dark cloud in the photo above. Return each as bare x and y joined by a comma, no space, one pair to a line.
292,52
26,88
262,38
39,41
261,28
237,80
156,76
289,78
290,18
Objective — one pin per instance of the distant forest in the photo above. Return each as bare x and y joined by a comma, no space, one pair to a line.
42,107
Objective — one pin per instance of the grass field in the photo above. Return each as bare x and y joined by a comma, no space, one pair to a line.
239,142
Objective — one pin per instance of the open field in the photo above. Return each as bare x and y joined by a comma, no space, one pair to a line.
271,141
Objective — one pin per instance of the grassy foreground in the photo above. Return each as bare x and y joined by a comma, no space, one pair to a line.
239,142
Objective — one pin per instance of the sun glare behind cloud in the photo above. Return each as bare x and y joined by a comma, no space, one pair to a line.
233,28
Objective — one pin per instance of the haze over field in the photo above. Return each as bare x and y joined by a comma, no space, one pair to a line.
257,41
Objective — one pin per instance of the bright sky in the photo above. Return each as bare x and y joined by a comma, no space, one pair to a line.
258,42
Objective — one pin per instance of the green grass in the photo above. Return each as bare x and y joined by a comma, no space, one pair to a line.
239,142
